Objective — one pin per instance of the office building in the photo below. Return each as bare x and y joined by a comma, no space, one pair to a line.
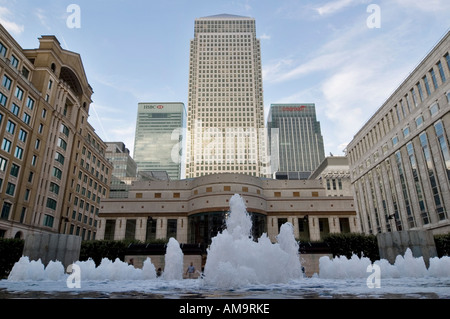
295,140
194,210
400,159
53,170
225,126
334,172
159,138
124,169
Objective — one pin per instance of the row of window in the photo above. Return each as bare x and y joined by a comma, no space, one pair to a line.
13,60
415,168
403,107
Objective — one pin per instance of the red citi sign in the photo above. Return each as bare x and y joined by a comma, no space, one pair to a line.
293,108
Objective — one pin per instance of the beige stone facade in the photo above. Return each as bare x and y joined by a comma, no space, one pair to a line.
400,159
334,172
182,209
53,170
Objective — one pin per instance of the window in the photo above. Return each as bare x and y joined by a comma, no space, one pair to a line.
62,143
19,93
6,145
434,109
171,228
419,121
6,82
10,127
54,188
10,189
296,194
18,153
57,172
406,131
413,94
138,195
26,118
37,144
130,229
14,170
447,58
51,203
22,135
433,78
427,85
15,109
419,86
64,130
14,61
3,163
59,158
3,99
441,72
176,195
394,140
157,195
277,194
5,210
30,103
3,50
48,220
315,194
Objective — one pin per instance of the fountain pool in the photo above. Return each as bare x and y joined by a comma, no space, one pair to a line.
237,267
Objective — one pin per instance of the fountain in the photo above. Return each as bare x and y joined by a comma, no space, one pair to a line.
236,260
238,266
173,269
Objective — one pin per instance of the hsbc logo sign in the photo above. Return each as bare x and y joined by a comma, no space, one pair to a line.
153,107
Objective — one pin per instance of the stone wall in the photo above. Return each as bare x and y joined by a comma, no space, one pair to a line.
53,247
420,242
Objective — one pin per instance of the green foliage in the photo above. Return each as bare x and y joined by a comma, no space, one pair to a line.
10,252
347,244
110,249
99,249
442,244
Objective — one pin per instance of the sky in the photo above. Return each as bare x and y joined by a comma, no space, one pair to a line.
346,56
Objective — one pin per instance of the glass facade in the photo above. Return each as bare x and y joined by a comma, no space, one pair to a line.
295,139
225,102
203,227
158,139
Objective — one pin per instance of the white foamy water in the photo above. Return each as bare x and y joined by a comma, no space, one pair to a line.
238,266
236,260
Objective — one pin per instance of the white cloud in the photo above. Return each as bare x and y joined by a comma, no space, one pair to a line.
265,36
335,6
40,14
427,6
5,20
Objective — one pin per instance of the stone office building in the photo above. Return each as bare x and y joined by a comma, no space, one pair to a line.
193,210
53,170
400,159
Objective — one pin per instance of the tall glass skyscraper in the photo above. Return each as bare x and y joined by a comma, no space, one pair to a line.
225,126
295,139
158,139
